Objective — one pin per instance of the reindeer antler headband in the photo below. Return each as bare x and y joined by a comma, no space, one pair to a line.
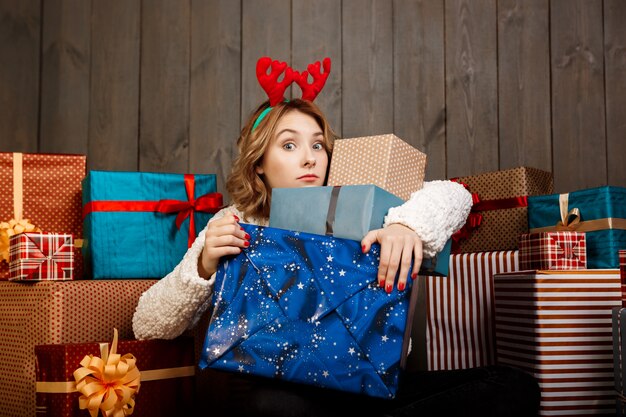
276,90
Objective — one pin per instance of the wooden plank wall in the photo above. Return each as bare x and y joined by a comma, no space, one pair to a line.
165,85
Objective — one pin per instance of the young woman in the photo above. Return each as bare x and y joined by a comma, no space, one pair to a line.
289,144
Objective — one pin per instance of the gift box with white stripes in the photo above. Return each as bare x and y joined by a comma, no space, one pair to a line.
41,256
556,325
619,341
553,250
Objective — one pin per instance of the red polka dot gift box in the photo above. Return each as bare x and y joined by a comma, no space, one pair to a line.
143,377
383,160
41,256
56,312
42,193
500,211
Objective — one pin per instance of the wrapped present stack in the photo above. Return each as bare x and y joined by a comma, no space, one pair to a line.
49,306
619,342
36,201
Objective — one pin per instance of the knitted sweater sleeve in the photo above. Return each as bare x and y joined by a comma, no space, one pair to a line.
434,212
176,302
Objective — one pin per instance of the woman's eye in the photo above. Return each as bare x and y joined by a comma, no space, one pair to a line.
318,146
289,146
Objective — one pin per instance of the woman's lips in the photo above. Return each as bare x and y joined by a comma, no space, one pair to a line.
308,177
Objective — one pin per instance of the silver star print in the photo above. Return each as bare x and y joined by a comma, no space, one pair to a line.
384,338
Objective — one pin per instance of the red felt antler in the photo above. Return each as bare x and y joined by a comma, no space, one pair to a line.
275,90
310,91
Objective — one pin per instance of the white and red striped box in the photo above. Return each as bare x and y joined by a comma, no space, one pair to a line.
553,250
41,256
459,310
619,341
557,326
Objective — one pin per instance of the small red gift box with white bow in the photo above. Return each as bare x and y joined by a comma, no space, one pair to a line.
553,250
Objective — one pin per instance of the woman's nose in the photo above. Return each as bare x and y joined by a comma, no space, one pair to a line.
309,160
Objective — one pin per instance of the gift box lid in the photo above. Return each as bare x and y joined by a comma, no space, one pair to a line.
348,211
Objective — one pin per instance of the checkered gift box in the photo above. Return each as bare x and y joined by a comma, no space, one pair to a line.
41,256
553,250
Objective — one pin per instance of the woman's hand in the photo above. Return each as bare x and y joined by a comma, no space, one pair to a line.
399,245
223,237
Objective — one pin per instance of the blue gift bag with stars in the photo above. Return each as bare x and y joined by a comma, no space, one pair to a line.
308,309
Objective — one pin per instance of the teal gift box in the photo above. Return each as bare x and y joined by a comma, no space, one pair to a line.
140,224
599,212
348,211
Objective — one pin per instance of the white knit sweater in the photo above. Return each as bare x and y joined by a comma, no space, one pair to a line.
177,301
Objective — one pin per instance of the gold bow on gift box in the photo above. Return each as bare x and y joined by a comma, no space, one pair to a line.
10,228
108,383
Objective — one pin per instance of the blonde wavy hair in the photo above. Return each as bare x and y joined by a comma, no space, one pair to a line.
248,190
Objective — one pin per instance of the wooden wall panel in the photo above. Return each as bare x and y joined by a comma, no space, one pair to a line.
578,117
114,95
20,34
164,106
215,87
311,43
266,31
524,84
615,83
367,35
65,72
419,91
471,87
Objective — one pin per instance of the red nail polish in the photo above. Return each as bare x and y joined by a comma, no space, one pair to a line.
381,283
401,286
363,248
240,228
413,275
246,243
389,288
236,218
247,236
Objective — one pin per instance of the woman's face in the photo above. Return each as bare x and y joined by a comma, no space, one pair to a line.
295,156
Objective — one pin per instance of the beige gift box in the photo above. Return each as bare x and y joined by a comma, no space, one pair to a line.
384,160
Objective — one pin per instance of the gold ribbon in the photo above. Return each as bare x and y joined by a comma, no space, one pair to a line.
17,224
570,221
108,383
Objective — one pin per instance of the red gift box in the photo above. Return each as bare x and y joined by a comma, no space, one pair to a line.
45,189
165,369
41,256
553,250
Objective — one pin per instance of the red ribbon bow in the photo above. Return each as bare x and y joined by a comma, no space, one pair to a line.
473,220
208,203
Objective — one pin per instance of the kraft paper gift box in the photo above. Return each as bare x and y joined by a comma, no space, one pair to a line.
384,160
458,311
556,325
165,370
553,250
41,256
44,189
308,309
598,212
56,312
499,214
140,224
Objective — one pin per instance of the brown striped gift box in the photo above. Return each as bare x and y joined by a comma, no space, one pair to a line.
557,326
500,211
383,160
56,312
459,310
553,250
46,190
